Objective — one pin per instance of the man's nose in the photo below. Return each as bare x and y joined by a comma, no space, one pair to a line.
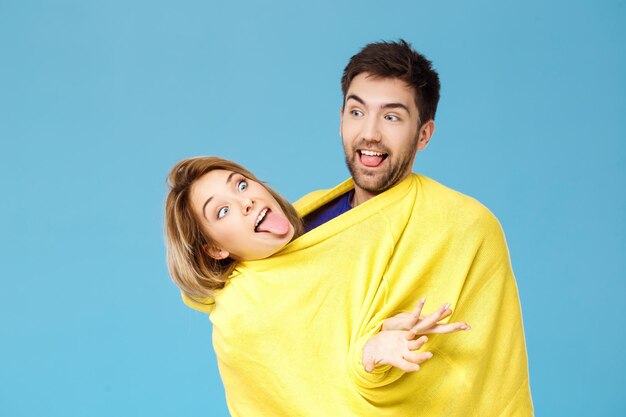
371,130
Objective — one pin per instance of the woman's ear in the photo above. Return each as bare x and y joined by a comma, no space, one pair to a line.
215,252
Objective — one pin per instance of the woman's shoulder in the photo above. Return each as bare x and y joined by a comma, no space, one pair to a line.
204,305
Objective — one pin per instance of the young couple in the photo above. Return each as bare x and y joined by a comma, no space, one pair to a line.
323,322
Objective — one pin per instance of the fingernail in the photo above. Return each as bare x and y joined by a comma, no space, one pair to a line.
465,327
423,300
446,306
430,355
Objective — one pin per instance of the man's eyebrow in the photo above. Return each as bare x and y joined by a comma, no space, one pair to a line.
384,106
208,200
356,98
396,106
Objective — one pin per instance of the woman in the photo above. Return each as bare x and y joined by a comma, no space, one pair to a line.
221,224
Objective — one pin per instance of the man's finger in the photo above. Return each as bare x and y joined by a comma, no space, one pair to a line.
445,314
417,344
417,357
406,366
410,335
418,308
433,318
368,364
449,328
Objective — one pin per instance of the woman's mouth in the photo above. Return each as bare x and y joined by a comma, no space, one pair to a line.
260,219
269,221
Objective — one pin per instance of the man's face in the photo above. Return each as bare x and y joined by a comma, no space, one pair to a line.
380,130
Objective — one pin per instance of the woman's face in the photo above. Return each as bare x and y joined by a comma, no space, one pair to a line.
240,215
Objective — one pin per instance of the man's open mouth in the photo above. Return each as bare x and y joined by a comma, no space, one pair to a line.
371,158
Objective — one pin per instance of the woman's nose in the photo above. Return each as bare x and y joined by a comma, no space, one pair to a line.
247,205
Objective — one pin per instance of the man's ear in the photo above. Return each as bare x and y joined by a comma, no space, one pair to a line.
426,132
215,252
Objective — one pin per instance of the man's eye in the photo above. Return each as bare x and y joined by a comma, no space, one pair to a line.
357,113
222,212
392,117
242,185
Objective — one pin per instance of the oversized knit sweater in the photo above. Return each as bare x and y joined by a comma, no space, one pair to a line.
289,331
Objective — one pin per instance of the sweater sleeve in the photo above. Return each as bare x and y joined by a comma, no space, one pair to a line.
484,370
381,376
493,359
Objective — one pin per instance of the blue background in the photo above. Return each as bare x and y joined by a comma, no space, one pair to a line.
99,99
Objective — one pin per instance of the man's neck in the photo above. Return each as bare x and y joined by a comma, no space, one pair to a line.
360,196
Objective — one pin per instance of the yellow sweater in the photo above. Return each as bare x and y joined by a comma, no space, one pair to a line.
288,331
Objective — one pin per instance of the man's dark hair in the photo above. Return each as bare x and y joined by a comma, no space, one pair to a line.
397,60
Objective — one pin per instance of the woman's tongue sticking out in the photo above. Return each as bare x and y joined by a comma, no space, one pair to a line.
274,223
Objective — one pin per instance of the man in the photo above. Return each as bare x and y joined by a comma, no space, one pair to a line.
390,97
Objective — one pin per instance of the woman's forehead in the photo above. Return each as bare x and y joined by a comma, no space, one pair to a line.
215,181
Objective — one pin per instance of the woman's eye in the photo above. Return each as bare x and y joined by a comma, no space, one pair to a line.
392,117
242,185
222,212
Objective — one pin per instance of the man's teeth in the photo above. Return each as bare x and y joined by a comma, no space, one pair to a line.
371,153
260,218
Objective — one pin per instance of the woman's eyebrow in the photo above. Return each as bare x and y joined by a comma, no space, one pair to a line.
208,200
204,207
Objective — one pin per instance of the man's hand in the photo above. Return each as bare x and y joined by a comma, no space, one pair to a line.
424,324
396,348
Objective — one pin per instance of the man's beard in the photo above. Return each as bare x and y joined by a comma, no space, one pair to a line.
380,182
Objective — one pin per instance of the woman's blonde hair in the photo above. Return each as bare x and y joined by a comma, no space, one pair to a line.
192,269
